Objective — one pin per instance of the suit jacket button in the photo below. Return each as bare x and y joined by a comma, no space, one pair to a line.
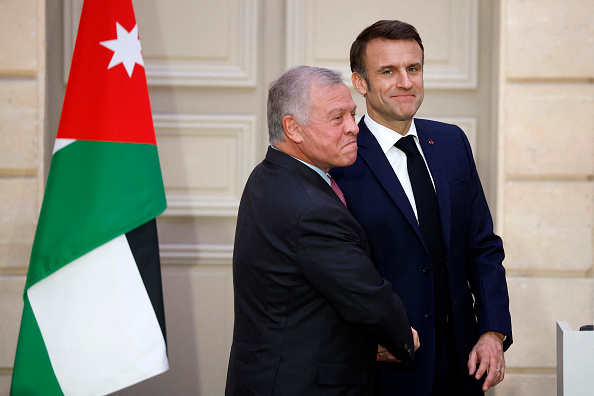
425,269
427,315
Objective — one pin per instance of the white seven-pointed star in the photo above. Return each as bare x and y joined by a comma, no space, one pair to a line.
126,49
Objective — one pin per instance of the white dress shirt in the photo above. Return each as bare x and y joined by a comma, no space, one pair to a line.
396,157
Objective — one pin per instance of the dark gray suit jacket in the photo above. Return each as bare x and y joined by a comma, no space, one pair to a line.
310,307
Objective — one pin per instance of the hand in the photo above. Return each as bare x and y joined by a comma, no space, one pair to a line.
384,355
488,355
416,340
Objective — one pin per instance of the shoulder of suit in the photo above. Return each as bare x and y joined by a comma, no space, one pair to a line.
422,122
429,128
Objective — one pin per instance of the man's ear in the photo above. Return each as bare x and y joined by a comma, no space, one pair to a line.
359,83
292,129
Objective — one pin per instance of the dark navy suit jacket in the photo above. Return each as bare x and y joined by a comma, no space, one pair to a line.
310,307
478,286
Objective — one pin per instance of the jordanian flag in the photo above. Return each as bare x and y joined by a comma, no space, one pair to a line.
93,317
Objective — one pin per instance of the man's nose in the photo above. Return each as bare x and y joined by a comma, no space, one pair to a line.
403,80
352,126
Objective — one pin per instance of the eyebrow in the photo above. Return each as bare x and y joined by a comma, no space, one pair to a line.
342,110
386,67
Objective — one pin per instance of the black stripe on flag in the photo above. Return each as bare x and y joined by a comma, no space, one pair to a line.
144,245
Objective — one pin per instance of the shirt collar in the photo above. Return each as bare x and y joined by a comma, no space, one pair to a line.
320,172
385,136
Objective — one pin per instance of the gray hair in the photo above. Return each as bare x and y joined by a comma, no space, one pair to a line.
290,95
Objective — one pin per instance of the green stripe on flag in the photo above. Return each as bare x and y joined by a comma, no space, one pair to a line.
32,357
95,192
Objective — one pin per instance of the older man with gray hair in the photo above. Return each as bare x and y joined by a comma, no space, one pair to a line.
310,308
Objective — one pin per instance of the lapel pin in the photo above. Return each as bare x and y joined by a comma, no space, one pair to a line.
430,141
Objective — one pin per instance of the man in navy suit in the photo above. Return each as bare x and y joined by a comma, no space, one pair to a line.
456,298
310,308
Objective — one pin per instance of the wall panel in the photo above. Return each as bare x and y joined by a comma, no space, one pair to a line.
320,33
206,160
189,43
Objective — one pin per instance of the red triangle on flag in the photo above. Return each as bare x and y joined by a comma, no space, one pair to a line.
103,101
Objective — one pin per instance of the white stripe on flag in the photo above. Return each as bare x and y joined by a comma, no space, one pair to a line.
61,143
98,324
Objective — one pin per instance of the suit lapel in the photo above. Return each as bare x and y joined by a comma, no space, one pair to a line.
430,144
371,153
284,160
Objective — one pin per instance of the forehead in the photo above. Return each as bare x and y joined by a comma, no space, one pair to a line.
381,52
329,98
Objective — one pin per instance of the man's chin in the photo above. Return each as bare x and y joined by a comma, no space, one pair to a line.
347,162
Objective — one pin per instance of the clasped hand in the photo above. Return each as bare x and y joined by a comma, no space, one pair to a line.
383,355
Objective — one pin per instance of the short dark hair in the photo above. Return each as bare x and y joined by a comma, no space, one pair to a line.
390,30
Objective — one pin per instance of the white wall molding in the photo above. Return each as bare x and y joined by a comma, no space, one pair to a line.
237,69
195,254
208,183
454,64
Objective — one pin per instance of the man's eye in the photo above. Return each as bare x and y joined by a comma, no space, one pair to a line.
388,72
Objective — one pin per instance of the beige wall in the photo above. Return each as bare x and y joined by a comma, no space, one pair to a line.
546,179
544,184
22,104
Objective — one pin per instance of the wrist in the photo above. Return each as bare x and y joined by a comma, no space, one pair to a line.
500,336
